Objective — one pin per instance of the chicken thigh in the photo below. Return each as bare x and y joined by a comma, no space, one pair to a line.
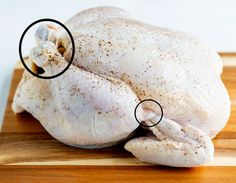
119,62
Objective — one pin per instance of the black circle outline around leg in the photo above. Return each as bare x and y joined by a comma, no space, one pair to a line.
135,110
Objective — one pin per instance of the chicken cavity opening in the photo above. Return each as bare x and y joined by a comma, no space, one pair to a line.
36,69
61,49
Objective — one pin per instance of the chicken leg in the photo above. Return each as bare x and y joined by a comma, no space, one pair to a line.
172,145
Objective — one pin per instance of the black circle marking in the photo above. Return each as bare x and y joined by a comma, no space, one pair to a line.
71,38
135,110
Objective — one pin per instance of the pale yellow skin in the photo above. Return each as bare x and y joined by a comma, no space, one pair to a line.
119,62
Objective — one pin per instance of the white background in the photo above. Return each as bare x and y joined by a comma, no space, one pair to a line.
211,20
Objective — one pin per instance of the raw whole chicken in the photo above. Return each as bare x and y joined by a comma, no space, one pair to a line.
119,62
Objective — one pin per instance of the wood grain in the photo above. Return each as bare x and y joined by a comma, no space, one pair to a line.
78,174
25,147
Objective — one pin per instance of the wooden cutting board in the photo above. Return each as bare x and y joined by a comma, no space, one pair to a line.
25,149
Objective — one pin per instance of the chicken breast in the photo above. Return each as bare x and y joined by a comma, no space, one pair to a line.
118,63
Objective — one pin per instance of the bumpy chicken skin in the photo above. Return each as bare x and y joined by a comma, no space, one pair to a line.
119,62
